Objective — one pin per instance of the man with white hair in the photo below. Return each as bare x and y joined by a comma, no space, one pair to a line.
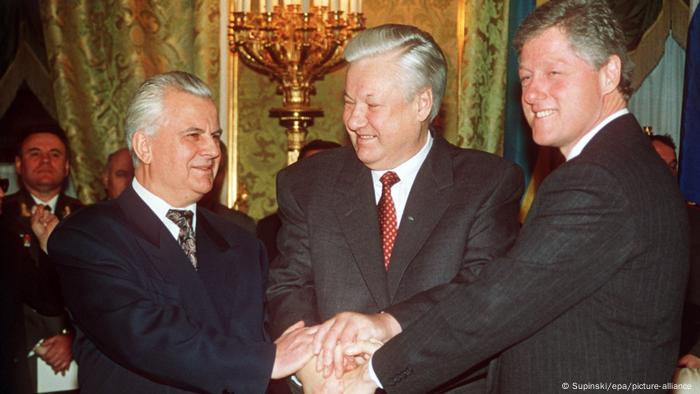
166,296
590,296
375,234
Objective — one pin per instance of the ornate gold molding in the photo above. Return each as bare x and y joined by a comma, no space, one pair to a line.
232,122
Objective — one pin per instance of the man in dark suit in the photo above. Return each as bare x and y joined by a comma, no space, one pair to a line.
592,290
42,164
166,296
364,257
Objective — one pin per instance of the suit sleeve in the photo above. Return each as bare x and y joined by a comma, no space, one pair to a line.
290,293
575,238
135,329
492,233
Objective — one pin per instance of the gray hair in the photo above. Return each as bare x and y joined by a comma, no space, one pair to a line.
418,55
146,106
592,29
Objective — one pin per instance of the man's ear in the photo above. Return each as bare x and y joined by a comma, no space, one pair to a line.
424,103
611,74
142,145
18,165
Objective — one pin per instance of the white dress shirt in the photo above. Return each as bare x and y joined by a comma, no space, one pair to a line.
51,203
160,208
578,148
407,172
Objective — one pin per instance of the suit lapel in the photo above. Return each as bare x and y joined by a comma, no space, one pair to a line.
26,202
356,212
166,255
63,208
212,249
426,204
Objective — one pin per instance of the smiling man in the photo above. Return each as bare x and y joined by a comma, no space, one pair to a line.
375,234
166,296
592,290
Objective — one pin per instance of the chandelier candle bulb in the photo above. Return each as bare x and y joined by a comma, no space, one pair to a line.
295,43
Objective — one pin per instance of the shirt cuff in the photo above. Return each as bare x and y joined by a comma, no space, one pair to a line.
373,375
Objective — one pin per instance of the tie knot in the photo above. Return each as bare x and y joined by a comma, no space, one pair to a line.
181,217
389,179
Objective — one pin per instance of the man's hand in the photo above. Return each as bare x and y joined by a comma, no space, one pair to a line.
689,361
294,349
56,351
347,327
358,381
43,222
314,383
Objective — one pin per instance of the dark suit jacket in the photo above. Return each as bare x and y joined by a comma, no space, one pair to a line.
146,321
31,269
461,213
690,341
590,292
20,284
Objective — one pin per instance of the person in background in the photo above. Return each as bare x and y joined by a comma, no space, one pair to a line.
269,226
690,338
375,234
212,200
42,163
592,290
666,148
166,296
118,172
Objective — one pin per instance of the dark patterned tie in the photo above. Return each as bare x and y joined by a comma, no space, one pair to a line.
387,215
183,219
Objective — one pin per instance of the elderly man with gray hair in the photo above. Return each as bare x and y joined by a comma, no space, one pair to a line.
166,296
375,234
590,296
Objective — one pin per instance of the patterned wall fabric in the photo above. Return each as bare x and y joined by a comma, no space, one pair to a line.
474,120
483,77
100,51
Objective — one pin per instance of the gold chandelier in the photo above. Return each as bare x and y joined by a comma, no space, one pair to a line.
295,42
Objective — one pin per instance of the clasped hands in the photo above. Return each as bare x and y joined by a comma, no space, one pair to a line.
338,350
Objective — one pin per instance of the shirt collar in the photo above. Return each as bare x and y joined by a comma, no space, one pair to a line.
159,206
51,203
409,168
578,148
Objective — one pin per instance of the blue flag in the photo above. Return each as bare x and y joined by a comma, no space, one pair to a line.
690,126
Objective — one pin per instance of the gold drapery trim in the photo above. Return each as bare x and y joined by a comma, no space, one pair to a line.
27,67
461,9
651,47
232,144
672,18
680,19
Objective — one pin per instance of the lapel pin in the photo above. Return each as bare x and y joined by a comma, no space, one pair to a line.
26,240
411,219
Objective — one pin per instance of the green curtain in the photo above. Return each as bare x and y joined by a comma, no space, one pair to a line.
100,51
482,83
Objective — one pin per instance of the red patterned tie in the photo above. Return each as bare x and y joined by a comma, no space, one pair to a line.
387,215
